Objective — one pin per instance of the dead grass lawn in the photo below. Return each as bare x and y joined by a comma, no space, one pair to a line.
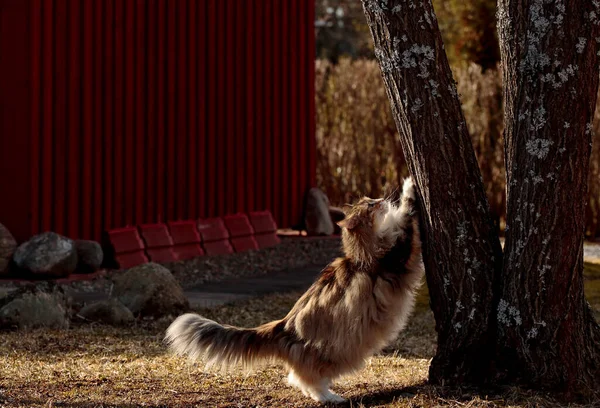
99,366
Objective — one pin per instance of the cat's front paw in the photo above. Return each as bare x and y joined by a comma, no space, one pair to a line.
408,190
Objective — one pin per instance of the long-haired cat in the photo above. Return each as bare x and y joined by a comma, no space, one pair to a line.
358,304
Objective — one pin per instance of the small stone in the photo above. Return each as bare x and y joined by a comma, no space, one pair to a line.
47,255
317,218
150,290
109,311
8,245
89,256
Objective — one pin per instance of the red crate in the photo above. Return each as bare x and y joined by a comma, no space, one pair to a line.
262,222
238,225
125,240
156,235
184,232
217,247
212,229
241,244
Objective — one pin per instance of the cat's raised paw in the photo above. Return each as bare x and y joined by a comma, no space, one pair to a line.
408,189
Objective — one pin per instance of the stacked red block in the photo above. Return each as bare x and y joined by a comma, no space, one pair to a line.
180,240
159,244
127,246
186,239
265,229
215,236
241,232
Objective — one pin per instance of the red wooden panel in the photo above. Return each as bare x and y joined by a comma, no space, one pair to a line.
310,86
282,210
278,46
152,111
161,112
220,62
142,112
181,136
211,115
140,156
192,116
259,105
129,160
202,109
106,137
101,218
60,118
87,117
35,150
73,155
240,108
171,55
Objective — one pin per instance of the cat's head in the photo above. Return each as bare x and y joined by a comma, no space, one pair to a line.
364,216
360,226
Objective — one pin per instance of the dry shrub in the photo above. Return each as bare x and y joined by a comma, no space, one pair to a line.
357,142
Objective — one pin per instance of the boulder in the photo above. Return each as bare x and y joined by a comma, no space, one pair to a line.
89,256
109,311
150,290
317,218
35,306
47,255
7,248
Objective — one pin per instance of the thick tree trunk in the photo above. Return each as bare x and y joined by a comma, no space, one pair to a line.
547,335
461,248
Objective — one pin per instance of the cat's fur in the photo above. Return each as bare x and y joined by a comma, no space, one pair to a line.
357,306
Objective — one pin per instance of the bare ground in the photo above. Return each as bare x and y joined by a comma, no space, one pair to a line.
100,366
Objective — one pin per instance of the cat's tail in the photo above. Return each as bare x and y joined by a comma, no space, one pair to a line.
223,346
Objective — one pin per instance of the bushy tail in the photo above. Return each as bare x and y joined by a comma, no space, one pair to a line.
223,346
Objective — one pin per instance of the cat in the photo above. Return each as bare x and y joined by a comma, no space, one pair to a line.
357,306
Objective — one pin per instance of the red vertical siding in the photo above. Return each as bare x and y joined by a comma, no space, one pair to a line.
139,111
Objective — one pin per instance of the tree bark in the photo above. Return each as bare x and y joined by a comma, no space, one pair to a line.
461,248
547,334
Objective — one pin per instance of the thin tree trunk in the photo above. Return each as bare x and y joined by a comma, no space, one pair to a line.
547,335
461,249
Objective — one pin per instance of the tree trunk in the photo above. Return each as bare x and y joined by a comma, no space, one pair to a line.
461,249
547,335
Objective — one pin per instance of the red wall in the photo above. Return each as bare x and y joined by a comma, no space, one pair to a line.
122,112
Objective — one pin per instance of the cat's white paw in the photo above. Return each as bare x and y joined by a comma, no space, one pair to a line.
408,189
327,397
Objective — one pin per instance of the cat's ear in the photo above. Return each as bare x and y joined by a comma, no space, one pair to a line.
349,223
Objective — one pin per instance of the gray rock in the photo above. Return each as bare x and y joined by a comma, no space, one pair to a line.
35,306
317,218
7,248
109,311
89,256
47,255
150,290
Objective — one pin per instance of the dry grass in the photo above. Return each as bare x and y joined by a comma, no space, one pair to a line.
89,366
